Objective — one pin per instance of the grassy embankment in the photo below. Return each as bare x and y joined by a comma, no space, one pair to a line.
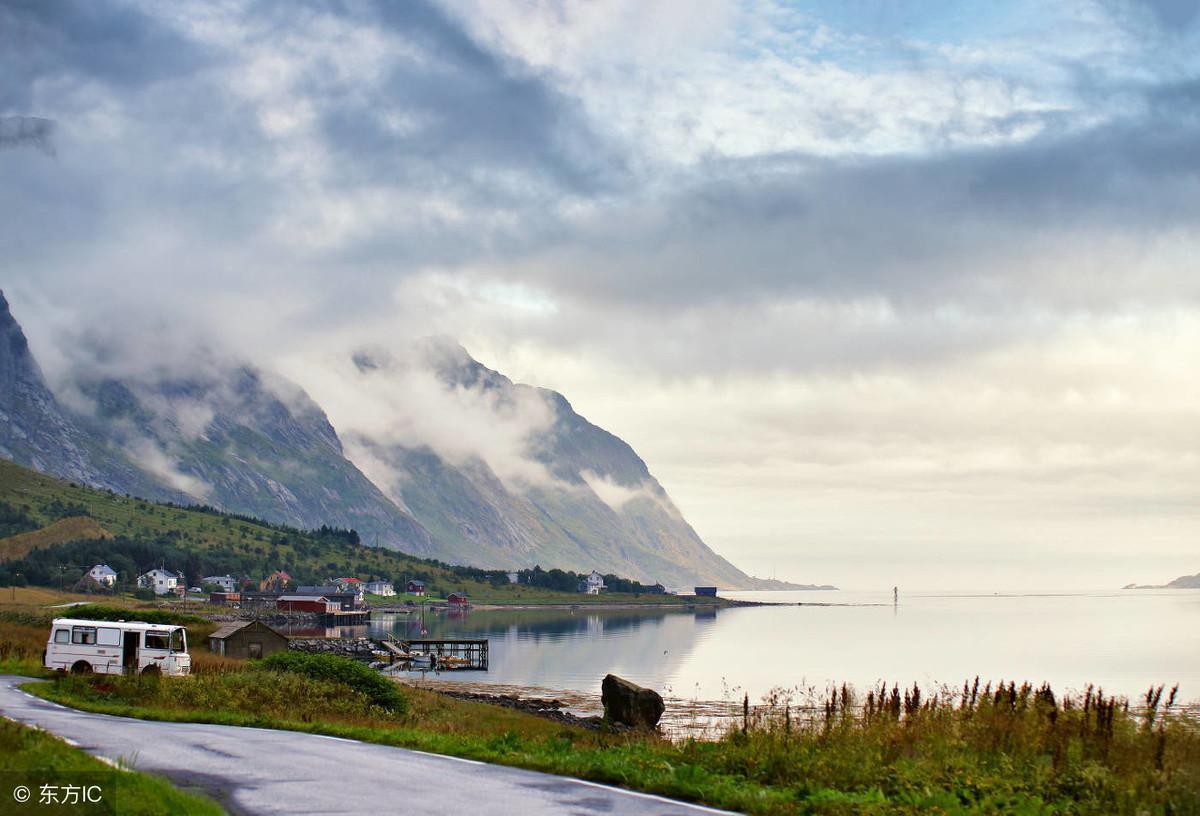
29,757
978,750
72,527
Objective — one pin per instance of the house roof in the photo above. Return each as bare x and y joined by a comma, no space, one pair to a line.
303,598
236,626
348,581
229,628
102,569
417,583
166,572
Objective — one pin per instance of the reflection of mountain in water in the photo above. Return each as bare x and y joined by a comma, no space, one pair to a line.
567,648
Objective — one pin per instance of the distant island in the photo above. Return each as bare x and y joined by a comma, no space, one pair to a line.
1182,582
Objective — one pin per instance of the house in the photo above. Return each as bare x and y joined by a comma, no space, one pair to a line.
709,592
307,603
457,599
225,598
103,574
415,587
593,584
347,601
350,585
256,600
227,583
162,581
383,588
246,639
275,582
513,577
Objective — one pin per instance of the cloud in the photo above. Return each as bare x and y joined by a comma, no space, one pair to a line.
27,131
834,249
403,398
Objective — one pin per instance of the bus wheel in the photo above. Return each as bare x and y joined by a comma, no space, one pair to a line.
152,670
81,667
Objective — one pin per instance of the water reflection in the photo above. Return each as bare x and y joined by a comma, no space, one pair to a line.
1123,641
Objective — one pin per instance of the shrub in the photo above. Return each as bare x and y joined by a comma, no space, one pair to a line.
381,691
115,613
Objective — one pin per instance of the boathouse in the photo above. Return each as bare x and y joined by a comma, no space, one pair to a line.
246,640
307,603
457,599
709,592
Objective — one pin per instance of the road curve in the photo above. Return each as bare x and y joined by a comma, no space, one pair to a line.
261,771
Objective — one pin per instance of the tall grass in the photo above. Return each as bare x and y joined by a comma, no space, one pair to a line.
992,749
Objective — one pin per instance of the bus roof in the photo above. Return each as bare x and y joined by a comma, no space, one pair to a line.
133,625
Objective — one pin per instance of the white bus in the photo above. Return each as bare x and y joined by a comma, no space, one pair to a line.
117,647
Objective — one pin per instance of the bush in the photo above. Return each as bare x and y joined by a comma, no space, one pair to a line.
381,691
115,613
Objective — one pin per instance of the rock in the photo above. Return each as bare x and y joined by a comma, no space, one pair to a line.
630,704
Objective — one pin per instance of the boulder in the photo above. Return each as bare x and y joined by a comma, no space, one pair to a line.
630,704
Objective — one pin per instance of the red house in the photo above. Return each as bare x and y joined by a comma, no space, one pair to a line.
307,603
457,599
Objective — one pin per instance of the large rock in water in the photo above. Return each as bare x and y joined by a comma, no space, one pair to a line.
630,704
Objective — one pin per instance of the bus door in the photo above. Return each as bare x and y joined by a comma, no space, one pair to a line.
129,650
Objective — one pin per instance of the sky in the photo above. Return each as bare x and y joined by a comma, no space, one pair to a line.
884,292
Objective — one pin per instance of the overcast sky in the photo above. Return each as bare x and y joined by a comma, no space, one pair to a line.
883,291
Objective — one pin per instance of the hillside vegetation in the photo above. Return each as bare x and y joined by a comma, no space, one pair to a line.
80,526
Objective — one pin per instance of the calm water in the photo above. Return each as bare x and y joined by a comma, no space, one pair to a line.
1121,640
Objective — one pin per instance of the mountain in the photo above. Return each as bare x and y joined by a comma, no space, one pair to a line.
597,507
36,431
242,441
227,436
515,478
1182,582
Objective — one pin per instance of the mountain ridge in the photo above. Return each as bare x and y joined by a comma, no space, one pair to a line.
248,441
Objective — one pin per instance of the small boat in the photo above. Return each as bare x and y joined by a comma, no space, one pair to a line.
421,660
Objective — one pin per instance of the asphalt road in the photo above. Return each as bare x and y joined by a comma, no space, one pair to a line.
260,771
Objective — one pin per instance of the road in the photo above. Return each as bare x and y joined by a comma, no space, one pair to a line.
260,771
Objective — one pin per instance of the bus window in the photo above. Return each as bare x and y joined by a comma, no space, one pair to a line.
108,637
157,640
85,635
62,636
177,644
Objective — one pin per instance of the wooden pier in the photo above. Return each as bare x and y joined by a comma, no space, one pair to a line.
460,655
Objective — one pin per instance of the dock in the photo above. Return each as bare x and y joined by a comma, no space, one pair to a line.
460,655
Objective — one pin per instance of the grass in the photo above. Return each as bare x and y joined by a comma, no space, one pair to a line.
63,531
32,757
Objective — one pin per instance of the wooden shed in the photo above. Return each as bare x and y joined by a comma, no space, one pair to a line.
246,639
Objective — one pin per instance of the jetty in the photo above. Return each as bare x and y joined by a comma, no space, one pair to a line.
461,655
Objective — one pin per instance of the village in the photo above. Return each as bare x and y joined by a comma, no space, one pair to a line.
258,618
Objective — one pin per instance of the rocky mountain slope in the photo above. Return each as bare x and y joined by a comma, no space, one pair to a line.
599,509
239,439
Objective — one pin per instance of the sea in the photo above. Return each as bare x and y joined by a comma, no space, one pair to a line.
803,643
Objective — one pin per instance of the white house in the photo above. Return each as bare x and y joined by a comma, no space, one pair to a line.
384,588
103,574
593,584
513,577
162,581
227,583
